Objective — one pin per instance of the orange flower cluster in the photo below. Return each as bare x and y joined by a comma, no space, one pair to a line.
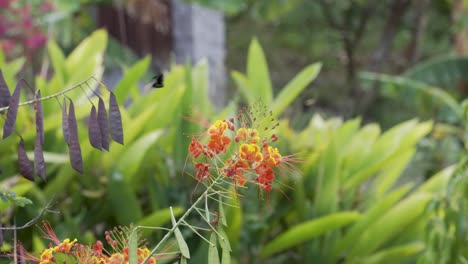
238,153
87,255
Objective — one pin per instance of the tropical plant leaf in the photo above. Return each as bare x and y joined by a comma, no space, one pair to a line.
115,120
223,241
65,129
4,91
213,255
308,230
130,79
10,121
184,249
132,247
120,195
435,92
25,167
397,254
294,87
74,143
94,132
39,162
258,73
103,124
39,118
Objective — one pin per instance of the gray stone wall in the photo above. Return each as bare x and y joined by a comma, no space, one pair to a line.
199,33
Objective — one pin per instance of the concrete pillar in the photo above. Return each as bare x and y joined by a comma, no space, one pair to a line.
199,33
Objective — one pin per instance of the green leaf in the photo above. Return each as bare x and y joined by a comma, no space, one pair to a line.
223,241
295,87
131,158
213,255
328,181
184,249
64,258
123,200
132,247
222,214
373,214
436,92
397,254
258,74
21,201
234,218
243,85
129,82
439,181
58,62
307,231
391,224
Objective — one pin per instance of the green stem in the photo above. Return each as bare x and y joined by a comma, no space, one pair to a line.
181,219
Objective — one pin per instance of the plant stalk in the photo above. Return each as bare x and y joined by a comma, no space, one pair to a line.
181,219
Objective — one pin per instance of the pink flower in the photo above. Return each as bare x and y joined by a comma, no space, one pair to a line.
36,41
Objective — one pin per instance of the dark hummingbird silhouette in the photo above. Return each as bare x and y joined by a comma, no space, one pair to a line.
158,81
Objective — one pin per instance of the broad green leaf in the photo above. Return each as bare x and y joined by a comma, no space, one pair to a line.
131,158
397,254
129,82
391,224
244,86
123,200
222,214
64,258
438,182
234,218
294,88
436,92
132,247
391,171
180,238
307,231
213,255
328,181
223,239
58,63
258,74
11,69
86,50
374,213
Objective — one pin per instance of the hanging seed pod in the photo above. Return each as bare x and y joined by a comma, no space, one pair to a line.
39,118
103,124
25,167
94,133
4,92
12,112
115,120
74,144
39,162
65,122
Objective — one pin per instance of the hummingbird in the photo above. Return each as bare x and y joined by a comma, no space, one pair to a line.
158,81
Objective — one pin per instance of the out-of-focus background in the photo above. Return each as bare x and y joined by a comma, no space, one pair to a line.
368,93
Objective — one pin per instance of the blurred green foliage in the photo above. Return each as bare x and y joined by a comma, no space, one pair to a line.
346,202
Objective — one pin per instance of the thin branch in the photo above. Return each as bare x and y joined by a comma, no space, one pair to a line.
32,221
50,96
